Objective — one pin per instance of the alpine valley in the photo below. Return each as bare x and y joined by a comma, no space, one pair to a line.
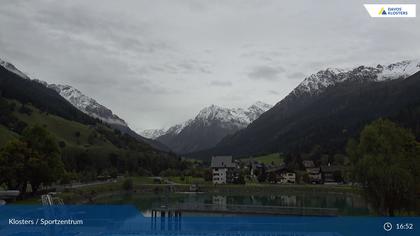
324,111
327,109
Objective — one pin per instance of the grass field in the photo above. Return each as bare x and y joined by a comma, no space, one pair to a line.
188,180
273,158
62,129
75,135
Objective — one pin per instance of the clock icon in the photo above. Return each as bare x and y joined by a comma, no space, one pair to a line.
387,226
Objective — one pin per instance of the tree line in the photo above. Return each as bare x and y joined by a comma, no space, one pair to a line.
36,159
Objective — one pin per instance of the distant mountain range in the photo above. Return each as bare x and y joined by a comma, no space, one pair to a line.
328,108
325,109
319,82
88,106
210,126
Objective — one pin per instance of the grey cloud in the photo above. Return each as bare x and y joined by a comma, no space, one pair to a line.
151,89
95,29
193,66
296,75
265,72
221,83
268,56
186,67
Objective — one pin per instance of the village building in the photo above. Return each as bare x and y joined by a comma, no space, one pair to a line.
314,173
308,164
255,168
281,175
224,170
331,174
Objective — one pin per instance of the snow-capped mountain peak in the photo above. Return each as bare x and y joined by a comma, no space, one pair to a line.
86,104
152,133
75,97
210,112
259,107
209,126
222,114
236,118
319,81
400,69
9,66
173,130
176,129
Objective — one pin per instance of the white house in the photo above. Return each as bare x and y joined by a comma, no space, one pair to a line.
223,169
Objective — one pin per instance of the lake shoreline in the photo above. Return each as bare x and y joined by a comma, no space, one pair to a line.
89,196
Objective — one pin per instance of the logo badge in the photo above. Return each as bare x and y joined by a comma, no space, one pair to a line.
382,11
391,10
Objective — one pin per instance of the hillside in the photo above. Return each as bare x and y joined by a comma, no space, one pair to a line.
96,110
88,146
327,117
13,86
93,149
270,159
6,135
86,104
18,85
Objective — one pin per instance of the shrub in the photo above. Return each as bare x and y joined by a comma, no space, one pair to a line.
128,185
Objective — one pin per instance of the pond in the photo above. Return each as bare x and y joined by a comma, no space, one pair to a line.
347,204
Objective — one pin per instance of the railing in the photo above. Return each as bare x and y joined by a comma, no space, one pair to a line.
49,200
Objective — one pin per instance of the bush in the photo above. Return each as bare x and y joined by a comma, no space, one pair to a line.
88,176
113,173
143,172
128,185
25,110
169,173
62,144
208,175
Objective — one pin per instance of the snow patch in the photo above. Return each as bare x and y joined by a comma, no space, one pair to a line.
152,133
319,81
86,104
10,67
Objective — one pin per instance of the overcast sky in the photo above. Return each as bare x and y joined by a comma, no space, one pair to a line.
156,63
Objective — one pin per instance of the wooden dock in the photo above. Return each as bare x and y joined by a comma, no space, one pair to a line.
177,210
